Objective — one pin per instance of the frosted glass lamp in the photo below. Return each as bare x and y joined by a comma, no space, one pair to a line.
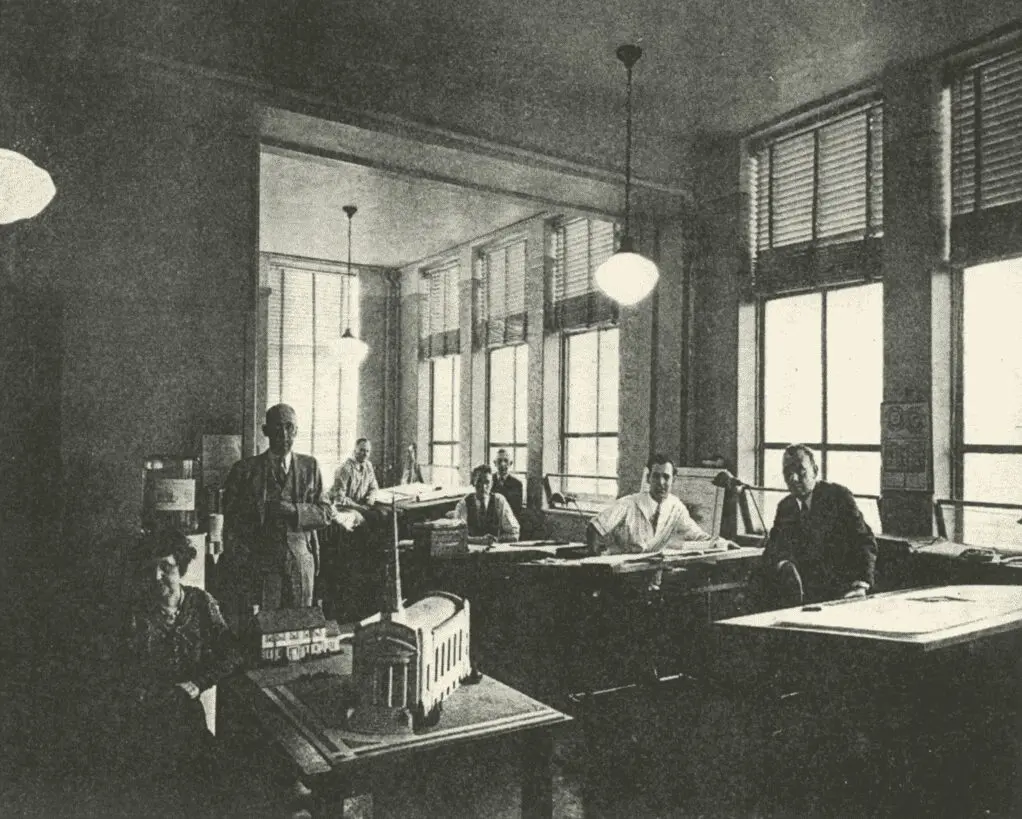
25,188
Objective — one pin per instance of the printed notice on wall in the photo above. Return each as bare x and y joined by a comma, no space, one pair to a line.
905,446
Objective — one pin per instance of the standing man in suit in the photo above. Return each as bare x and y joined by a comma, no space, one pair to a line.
273,504
506,484
820,547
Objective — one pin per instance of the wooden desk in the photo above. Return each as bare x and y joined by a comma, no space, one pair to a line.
912,621
415,505
611,620
296,712
909,699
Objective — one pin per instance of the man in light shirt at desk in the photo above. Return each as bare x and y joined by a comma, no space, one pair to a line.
649,521
355,485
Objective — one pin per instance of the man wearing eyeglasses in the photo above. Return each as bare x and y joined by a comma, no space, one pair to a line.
273,504
820,547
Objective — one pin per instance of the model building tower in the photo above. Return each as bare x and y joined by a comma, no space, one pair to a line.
408,659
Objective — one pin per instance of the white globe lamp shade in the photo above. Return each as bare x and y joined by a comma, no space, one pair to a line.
352,349
627,277
25,188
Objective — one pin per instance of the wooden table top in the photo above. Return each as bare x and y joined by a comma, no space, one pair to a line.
922,619
604,565
302,706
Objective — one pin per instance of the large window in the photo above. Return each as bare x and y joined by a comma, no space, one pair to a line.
309,305
509,411
816,202
590,413
445,402
822,386
989,434
986,157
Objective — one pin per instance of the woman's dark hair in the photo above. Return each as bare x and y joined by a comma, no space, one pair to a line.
169,542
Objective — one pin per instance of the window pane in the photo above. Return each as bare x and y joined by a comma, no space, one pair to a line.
455,432
992,353
580,456
859,471
608,398
606,451
855,362
441,399
521,394
994,478
793,369
502,395
581,382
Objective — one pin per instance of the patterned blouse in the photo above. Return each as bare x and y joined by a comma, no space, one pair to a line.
194,645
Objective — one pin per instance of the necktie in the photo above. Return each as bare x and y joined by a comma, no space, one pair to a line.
803,512
656,518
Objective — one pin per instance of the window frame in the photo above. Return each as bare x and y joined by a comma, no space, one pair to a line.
959,448
823,447
563,434
520,466
455,410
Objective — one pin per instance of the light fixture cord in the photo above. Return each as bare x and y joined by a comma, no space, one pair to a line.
347,284
628,154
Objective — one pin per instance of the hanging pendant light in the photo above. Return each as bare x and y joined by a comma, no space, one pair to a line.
351,347
627,277
25,188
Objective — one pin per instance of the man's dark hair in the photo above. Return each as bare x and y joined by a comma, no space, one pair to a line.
169,542
362,440
660,458
479,470
797,450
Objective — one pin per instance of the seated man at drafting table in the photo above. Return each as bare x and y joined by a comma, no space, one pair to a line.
820,547
648,521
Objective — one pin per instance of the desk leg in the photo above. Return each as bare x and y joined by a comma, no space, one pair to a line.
537,775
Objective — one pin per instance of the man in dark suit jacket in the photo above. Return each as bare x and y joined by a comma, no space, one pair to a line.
506,484
273,504
820,547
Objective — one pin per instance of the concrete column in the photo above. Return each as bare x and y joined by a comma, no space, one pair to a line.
915,230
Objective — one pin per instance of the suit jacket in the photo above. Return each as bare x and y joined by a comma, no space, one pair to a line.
249,538
511,488
833,548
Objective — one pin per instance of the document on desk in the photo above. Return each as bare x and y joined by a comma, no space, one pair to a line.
916,612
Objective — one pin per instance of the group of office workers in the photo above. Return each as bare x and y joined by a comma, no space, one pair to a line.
819,548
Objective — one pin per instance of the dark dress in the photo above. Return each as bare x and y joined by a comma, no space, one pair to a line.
165,744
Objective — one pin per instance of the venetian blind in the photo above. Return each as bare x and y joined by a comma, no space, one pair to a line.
580,245
986,157
440,333
501,316
307,310
817,200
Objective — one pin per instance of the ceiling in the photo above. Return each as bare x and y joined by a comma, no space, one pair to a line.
399,220
542,75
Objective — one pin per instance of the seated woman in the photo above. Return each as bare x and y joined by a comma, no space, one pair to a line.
488,515
177,645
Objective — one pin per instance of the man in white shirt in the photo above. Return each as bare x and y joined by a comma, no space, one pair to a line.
355,485
647,521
